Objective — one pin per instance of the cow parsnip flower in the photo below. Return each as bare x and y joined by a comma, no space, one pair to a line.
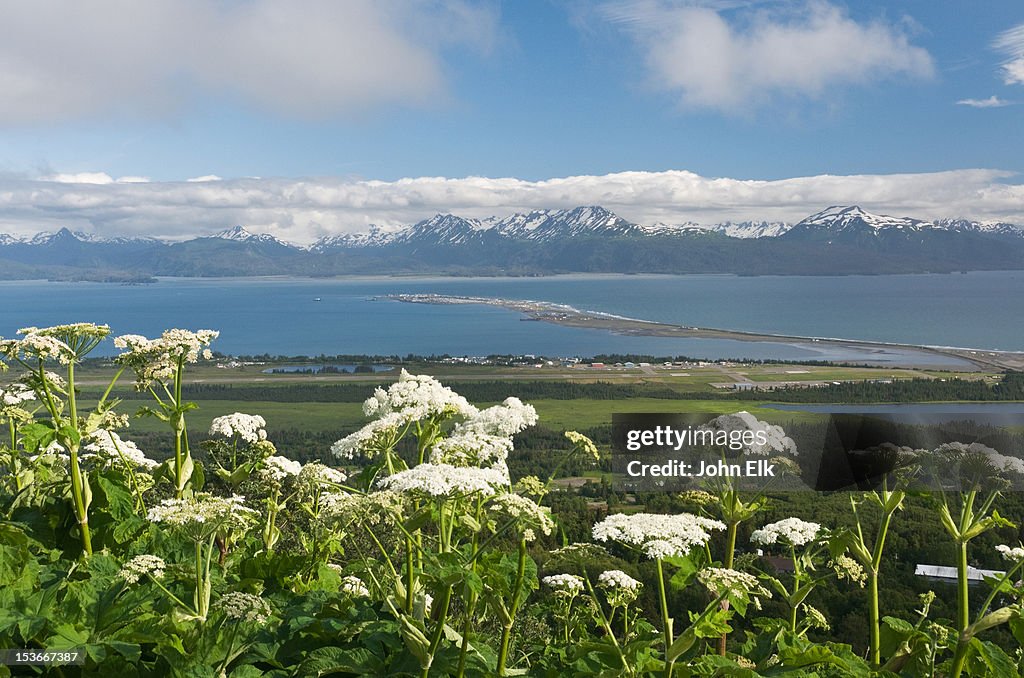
314,478
445,480
1014,553
472,449
248,427
568,585
244,607
723,580
203,515
776,440
106,448
416,397
354,587
15,394
658,535
527,514
619,587
277,470
158,359
792,531
372,439
510,417
140,566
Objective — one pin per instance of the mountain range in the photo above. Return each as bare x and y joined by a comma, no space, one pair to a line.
837,240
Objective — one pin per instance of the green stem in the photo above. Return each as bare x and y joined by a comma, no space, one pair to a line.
14,457
963,603
730,553
435,642
876,650
506,631
227,655
410,575
666,621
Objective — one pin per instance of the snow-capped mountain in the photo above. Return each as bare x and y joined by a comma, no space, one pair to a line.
752,229
375,237
239,234
839,218
545,225
836,240
966,226
439,230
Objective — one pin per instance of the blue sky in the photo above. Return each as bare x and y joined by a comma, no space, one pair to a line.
351,113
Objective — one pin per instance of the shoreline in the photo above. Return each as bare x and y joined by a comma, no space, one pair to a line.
563,314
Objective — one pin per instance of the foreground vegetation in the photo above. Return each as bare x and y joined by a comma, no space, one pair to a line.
427,547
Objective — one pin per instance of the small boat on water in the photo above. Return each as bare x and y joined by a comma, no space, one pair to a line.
316,298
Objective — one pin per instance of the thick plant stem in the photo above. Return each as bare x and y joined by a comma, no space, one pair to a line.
78,481
666,621
962,600
876,652
435,642
506,631
730,554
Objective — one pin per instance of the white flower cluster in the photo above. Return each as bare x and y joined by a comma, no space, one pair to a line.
527,513
564,584
245,607
248,427
617,580
15,395
139,566
791,531
107,449
371,439
278,469
583,444
416,397
1014,553
203,514
354,587
507,419
723,580
157,359
315,478
776,440
658,535
39,346
1000,461
472,449
339,509
445,480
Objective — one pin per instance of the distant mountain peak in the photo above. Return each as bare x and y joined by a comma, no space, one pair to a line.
234,233
240,234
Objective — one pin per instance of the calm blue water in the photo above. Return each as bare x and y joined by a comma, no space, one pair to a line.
282,316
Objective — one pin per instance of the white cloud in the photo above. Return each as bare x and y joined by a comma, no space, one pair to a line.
992,102
301,210
1011,43
62,60
721,56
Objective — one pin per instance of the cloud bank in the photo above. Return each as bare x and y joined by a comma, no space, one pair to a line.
301,210
62,60
731,57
